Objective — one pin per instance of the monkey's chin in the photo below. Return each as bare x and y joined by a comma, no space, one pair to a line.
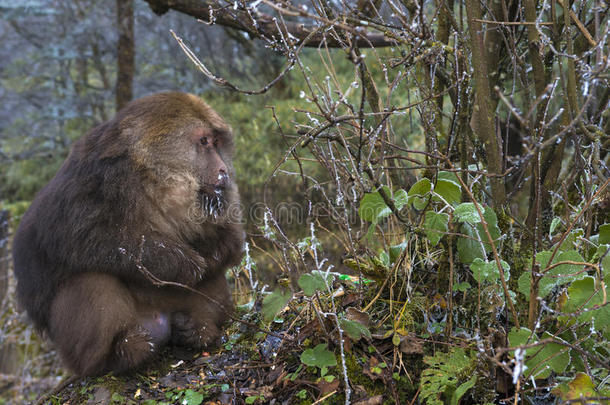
211,206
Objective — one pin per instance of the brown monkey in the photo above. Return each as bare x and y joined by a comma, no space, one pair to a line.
151,190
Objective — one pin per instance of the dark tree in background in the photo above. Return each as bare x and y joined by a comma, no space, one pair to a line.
125,52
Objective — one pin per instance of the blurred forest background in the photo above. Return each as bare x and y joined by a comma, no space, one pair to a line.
425,184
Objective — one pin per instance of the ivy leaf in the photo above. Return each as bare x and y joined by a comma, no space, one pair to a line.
448,190
314,281
319,357
488,271
418,194
467,212
492,226
540,360
274,303
421,188
436,225
449,176
582,294
400,198
373,208
192,397
468,246
355,330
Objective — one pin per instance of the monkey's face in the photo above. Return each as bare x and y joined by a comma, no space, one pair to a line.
212,165
185,150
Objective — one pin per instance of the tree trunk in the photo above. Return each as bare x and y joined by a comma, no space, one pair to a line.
8,353
125,53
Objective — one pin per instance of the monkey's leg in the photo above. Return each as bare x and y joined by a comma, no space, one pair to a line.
197,325
96,327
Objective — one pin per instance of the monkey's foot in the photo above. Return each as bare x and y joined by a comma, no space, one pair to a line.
185,332
132,350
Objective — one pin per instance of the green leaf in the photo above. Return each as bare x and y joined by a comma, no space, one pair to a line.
396,250
418,194
488,271
448,190
449,176
314,281
373,207
319,357
605,263
435,225
556,221
492,226
355,330
582,294
558,275
463,286
540,360
524,283
400,198
468,246
421,188
604,234
467,212
192,397
462,389
274,303
580,387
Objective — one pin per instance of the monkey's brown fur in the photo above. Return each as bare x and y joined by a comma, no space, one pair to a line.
150,190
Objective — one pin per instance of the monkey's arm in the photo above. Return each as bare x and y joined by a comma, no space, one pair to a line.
165,260
127,257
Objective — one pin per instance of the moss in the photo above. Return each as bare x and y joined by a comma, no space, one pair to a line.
357,377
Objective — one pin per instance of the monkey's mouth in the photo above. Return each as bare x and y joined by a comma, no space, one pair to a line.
212,202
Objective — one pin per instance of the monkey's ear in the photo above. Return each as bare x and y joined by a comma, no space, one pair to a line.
110,143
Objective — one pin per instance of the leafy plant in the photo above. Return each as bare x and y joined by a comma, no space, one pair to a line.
448,377
321,358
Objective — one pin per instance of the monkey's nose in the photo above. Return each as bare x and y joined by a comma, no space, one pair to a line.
222,180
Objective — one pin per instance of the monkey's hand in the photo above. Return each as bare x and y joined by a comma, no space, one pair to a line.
158,260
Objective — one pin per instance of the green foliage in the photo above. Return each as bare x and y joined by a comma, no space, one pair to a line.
373,207
185,397
585,299
315,281
448,191
274,303
488,271
555,276
355,330
321,358
435,225
540,359
448,377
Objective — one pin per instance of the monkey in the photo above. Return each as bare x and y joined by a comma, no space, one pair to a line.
145,204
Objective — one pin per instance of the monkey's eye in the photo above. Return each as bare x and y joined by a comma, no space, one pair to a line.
215,143
204,141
